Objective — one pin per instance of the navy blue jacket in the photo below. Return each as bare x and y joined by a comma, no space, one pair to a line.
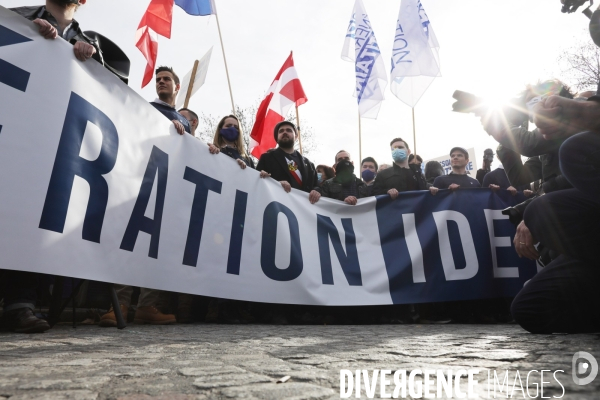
465,181
172,114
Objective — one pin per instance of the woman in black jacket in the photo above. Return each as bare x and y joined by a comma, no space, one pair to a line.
228,138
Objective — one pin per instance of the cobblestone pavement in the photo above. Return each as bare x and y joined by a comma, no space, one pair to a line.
185,362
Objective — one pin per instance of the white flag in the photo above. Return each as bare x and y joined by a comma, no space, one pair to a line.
415,56
198,80
371,78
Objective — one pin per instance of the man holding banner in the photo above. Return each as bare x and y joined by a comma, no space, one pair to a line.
286,165
167,87
458,177
54,19
400,177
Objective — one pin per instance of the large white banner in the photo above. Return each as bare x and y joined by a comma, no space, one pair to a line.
95,183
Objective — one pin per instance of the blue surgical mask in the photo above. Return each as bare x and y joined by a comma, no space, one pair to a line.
368,175
399,155
231,134
319,176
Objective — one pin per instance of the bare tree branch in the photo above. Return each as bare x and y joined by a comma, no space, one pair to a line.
580,65
246,116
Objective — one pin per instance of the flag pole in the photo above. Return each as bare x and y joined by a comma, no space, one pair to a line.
191,85
359,138
225,61
414,134
299,130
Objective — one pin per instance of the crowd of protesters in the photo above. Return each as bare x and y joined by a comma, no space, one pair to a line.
339,181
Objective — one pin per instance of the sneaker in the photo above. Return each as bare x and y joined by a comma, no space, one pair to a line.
22,320
151,315
110,320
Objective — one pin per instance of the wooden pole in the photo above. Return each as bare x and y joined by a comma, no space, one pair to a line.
299,130
191,85
226,69
359,139
414,134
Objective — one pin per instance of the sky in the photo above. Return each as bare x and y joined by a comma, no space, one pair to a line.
488,47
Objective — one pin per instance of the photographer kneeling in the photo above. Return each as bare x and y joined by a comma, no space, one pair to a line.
563,297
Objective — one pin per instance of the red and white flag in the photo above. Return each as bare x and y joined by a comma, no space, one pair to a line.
156,20
285,91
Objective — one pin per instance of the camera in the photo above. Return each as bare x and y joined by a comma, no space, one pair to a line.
570,6
514,110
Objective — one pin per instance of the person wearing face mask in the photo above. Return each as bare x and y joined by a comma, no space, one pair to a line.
415,160
228,138
368,171
345,186
399,177
324,172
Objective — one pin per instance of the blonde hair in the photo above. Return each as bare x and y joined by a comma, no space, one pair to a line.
219,141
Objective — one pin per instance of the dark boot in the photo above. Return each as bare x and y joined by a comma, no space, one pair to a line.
22,320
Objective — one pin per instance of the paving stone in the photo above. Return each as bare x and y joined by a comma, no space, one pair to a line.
274,391
57,395
231,379
165,396
205,371
243,361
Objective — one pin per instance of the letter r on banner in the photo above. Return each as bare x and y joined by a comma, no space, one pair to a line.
68,164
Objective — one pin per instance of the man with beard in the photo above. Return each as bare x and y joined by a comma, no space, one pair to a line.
286,165
56,19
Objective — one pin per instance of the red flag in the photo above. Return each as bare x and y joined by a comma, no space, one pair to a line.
156,20
285,91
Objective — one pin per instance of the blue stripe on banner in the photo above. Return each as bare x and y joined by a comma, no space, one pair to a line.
196,7
8,37
450,257
13,76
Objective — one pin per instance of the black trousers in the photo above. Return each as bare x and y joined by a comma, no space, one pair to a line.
564,296
19,289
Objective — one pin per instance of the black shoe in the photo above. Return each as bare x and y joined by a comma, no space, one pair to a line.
435,319
22,320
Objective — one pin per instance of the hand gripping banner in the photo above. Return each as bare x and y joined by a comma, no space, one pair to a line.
96,184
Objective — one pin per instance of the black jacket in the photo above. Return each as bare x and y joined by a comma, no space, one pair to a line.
274,162
481,173
333,189
395,178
